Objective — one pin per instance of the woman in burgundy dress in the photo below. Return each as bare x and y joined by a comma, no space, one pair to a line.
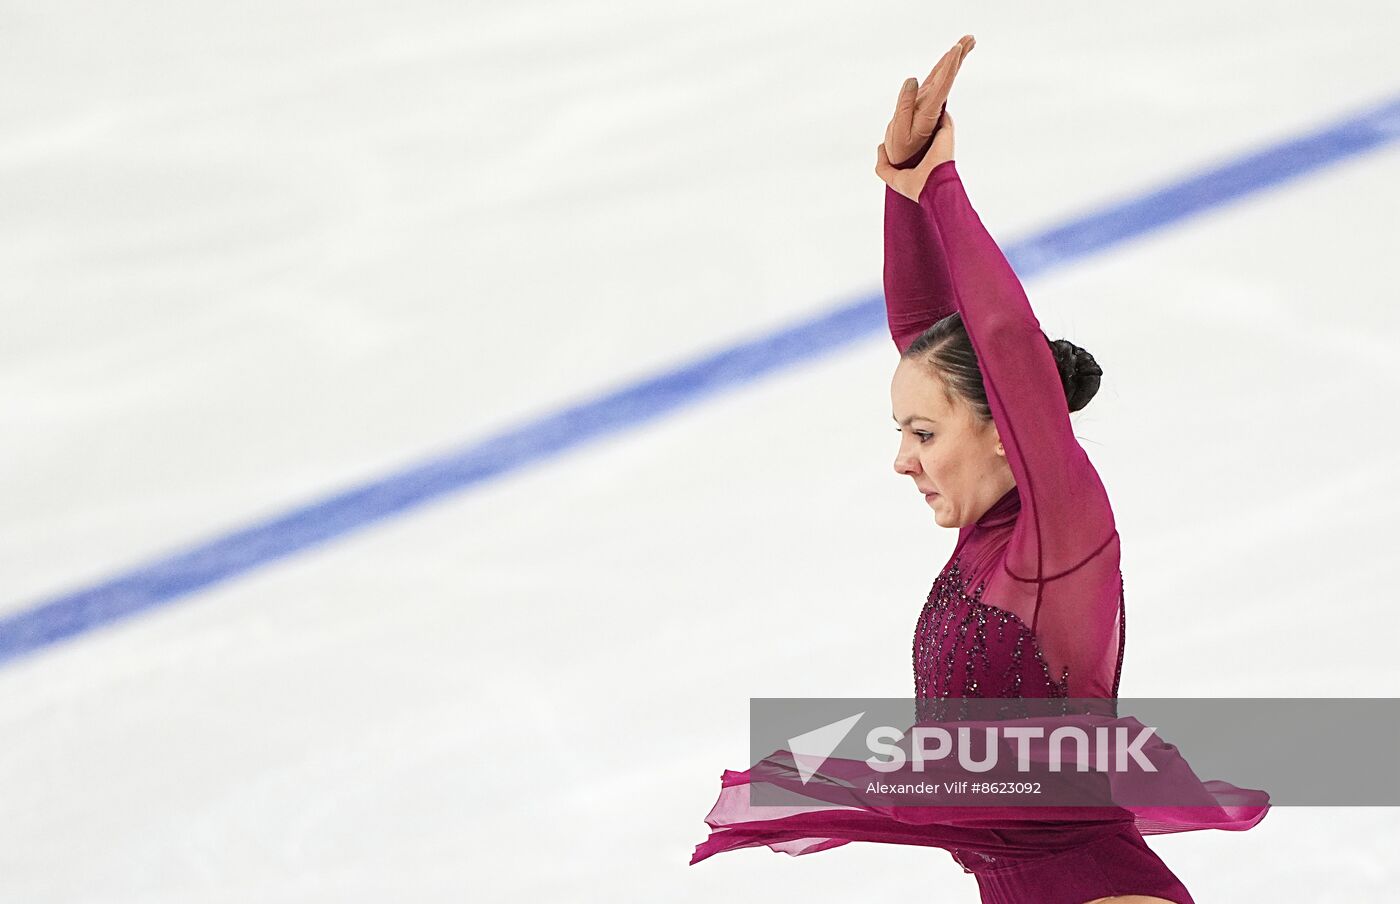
1030,604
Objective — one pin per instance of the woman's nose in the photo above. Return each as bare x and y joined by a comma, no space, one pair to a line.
905,463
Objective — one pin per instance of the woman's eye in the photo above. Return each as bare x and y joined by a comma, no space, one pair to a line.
923,437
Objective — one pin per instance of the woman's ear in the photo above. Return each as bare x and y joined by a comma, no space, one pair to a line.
997,433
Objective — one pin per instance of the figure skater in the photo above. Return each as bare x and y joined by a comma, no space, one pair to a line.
1030,603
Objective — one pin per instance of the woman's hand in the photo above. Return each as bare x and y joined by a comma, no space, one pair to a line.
910,182
918,107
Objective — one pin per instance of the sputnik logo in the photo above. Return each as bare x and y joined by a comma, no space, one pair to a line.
810,750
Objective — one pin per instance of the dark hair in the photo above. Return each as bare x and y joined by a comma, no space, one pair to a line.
946,348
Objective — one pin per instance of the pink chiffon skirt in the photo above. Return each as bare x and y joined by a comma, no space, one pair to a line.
1018,850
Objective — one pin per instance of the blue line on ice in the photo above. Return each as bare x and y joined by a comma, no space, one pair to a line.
181,573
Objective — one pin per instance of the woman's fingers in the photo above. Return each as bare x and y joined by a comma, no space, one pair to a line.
898,129
931,104
882,163
943,81
904,106
935,75
938,66
933,97
968,43
926,118
940,81
964,46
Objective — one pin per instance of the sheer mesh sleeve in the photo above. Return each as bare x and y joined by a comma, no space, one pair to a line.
918,286
1063,552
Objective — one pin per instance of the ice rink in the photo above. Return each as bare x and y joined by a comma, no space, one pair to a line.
261,257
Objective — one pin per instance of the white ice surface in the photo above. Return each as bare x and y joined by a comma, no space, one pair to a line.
253,253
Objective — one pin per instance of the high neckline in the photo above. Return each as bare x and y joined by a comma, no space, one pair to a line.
1003,511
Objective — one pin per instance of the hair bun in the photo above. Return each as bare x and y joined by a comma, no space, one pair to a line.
1079,372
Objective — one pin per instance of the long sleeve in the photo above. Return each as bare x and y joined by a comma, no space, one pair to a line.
1064,548
918,286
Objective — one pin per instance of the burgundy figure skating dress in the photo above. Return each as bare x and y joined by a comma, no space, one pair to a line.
1030,603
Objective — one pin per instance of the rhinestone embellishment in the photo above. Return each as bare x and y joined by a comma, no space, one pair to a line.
965,647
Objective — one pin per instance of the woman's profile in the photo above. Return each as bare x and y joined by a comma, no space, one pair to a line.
1030,603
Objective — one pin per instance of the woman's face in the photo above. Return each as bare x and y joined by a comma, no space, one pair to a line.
955,458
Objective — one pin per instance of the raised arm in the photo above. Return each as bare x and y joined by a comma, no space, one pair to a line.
918,286
1065,516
